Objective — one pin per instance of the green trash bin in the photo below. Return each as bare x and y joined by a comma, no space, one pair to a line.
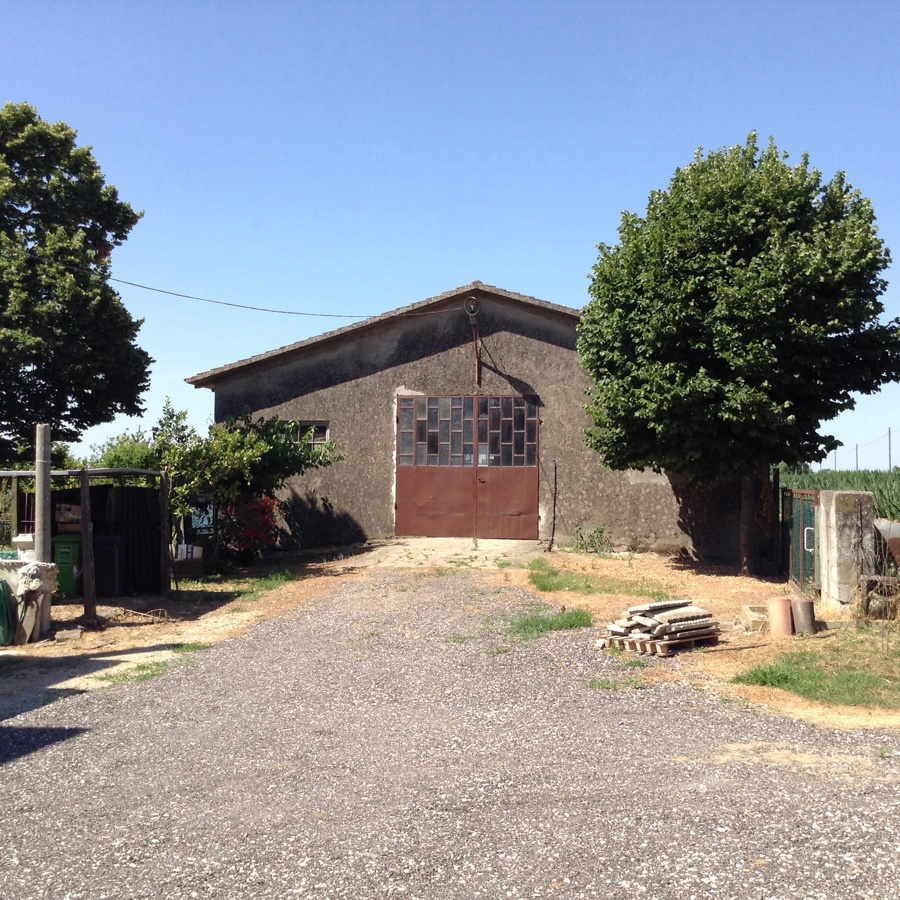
67,556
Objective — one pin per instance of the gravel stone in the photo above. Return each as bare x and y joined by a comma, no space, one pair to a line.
392,740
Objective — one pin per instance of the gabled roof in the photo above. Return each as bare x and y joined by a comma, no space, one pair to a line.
209,378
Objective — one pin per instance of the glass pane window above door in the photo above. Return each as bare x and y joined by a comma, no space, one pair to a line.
465,431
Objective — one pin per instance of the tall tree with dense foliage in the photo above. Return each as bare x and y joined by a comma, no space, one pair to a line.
68,355
734,318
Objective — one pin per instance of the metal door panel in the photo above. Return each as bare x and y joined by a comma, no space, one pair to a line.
506,502
435,501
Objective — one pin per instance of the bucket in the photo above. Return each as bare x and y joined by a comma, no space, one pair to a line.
780,621
804,616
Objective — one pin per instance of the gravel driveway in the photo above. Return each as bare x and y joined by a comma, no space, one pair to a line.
391,740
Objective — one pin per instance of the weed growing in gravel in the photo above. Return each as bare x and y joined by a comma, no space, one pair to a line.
189,647
635,662
742,702
885,752
503,563
146,671
609,684
852,668
140,672
527,627
459,639
545,578
497,651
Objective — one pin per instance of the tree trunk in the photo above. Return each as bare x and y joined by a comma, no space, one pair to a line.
748,531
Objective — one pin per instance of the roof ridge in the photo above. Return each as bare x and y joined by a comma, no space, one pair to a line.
204,379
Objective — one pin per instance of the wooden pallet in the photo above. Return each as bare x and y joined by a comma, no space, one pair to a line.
662,646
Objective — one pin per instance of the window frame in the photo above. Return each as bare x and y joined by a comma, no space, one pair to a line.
317,439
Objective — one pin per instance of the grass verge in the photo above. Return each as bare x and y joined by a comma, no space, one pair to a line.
855,667
259,586
547,579
220,588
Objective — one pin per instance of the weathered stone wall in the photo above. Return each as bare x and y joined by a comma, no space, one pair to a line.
352,381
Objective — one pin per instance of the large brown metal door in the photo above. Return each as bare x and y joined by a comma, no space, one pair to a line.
467,467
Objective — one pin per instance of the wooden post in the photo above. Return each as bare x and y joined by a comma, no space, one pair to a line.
165,552
14,526
89,584
777,543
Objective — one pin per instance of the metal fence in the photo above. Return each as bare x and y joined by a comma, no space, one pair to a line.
798,518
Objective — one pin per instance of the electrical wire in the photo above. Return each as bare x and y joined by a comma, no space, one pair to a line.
282,312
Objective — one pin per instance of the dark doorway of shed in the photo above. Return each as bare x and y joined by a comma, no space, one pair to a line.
467,467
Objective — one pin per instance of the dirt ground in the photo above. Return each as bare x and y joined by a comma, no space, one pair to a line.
143,630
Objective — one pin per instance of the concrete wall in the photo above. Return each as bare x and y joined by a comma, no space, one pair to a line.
845,538
352,381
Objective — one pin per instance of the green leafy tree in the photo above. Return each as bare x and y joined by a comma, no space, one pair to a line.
129,450
68,355
238,465
733,318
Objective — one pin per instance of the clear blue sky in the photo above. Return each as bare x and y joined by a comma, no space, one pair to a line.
352,157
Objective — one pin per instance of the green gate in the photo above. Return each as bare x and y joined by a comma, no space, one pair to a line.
798,515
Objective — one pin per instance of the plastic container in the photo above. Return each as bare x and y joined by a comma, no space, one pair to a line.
67,556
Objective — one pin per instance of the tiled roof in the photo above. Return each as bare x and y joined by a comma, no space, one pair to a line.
210,377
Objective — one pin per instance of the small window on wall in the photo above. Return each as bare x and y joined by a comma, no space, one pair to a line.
319,432
465,431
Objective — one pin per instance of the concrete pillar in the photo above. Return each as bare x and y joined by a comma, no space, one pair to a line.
42,522
846,542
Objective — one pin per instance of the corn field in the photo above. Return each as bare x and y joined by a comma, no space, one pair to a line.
884,485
